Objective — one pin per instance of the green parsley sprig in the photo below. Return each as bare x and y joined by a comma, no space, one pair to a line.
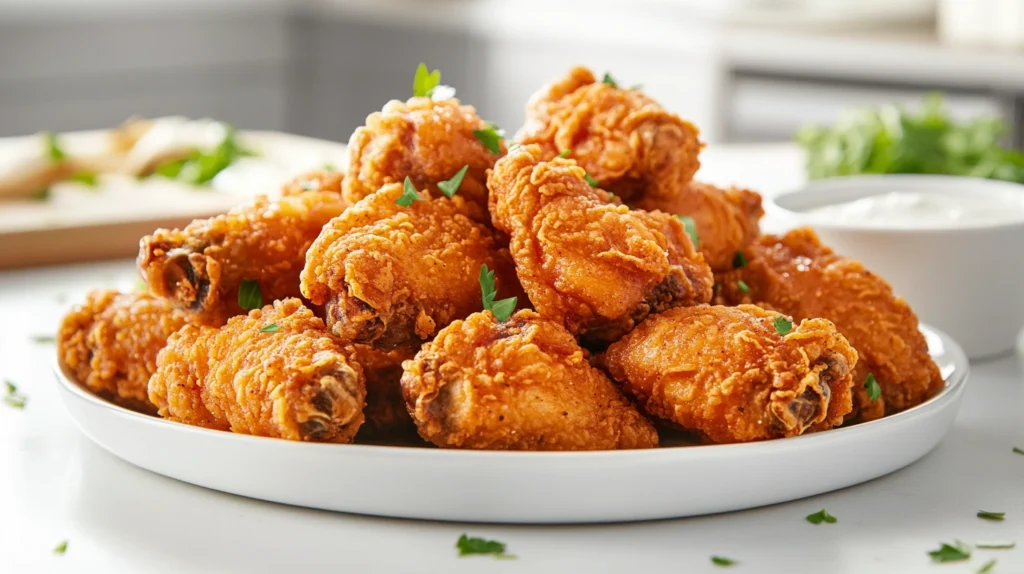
742,286
874,391
271,328
503,309
739,260
985,515
469,545
951,552
691,228
609,79
200,167
821,516
490,137
249,295
61,548
565,153
13,398
782,325
53,148
451,187
409,194
722,561
424,81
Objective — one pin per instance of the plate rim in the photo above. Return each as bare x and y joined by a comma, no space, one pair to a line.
954,385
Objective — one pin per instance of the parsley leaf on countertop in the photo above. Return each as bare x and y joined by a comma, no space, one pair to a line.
12,397
468,545
951,552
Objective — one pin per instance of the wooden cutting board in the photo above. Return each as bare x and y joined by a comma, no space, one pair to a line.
79,223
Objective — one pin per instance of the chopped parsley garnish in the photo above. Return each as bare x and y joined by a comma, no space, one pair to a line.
874,391
991,515
608,79
468,545
722,561
271,328
249,295
1018,450
503,309
565,153
691,228
742,285
987,567
42,194
590,180
951,552
170,169
490,137
740,260
53,148
451,186
782,325
1000,545
13,398
409,194
424,81
330,167
86,178
43,339
61,548
200,167
821,515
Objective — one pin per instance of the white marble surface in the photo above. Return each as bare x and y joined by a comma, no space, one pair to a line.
56,485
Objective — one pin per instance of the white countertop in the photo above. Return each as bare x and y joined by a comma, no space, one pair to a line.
56,485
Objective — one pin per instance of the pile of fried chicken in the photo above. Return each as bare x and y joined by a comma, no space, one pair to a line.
375,303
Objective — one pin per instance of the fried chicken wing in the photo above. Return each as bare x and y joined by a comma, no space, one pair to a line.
392,276
728,374
294,381
596,267
524,384
425,140
797,275
201,267
316,180
726,219
110,343
385,412
623,138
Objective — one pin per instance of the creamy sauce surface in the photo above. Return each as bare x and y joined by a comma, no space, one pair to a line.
909,209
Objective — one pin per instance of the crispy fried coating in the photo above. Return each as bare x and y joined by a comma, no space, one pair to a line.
727,373
385,412
110,343
727,220
201,267
623,138
295,382
392,276
596,267
524,384
797,275
316,180
425,140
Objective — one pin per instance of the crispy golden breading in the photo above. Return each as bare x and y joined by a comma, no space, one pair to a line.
295,382
385,412
316,180
111,341
392,276
201,267
728,374
726,219
623,138
425,140
596,267
797,275
524,384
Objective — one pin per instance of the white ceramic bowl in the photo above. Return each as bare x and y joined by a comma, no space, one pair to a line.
967,281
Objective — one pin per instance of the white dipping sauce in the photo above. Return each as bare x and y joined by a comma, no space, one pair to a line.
907,209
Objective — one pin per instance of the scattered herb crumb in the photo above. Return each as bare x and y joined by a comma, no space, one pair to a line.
987,567
590,180
722,561
608,79
1018,450
13,398
468,545
874,391
565,153
271,328
409,194
991,515
821,516
424,81
742,286
490,137
61,548
249,295
43,339
503,309
782,325
951,552
996,545
690,226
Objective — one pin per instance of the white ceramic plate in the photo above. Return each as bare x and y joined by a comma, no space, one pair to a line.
527,487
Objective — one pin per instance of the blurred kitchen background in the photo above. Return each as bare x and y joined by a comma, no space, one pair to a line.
742,70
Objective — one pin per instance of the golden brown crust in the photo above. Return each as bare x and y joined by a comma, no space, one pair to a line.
797,275
392,276
295,382
726,219
524,384
110,343
315,180
594,266
201,267
425,140
727,373
385,412
623,138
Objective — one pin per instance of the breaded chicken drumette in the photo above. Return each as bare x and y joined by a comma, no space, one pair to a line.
522,384
594,266
425,140
731,375
392,276
275,372
315,180
797,275
385,412
727,220
623,138
201,267
110,343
